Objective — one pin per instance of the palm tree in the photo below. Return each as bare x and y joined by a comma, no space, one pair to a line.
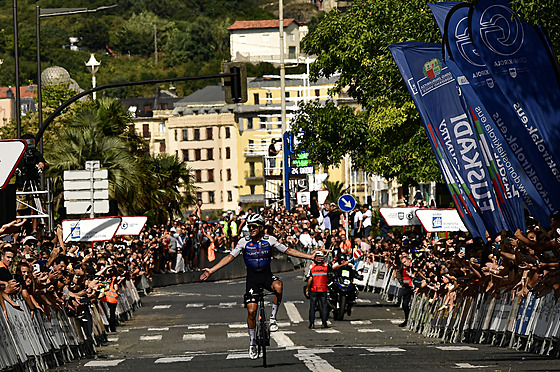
335,189
84,140
167,188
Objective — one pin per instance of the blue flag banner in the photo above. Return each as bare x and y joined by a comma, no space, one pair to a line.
514,58
505,178
434,89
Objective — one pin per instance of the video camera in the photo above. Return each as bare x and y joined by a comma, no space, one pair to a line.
28,170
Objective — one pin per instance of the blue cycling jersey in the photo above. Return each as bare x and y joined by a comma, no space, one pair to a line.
257,254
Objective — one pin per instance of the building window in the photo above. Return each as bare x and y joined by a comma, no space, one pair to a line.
228,132
210,175
198,175
185,134
209,133
210,154
197,134
175,135
287,94
197,154
256,98
317,93
147,108
162,127
292,52
229,196
185,155
249,123
252,169
211,197
221,175
228,174
252,188
162,147
228,153
263,123
146,130
199,195
269,98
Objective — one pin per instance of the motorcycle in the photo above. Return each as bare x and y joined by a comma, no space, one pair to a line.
342,292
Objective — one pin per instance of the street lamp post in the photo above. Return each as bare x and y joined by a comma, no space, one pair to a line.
93,66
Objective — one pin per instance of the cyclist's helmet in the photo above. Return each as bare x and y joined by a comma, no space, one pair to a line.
255,220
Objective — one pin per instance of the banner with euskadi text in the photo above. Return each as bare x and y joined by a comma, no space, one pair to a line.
528,112
435,90
504,170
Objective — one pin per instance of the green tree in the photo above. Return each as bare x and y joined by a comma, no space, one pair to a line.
335,189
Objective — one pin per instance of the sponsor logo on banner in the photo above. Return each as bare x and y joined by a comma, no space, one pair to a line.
440,220
131,225
90,230
400,216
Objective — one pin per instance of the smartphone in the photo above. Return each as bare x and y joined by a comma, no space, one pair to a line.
463,250
36,268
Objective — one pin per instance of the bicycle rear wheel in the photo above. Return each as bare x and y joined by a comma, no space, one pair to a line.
263,335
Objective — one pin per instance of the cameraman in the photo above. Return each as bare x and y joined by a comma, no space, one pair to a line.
32,164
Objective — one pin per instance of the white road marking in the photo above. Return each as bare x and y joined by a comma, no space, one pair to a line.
104,363
237,334
237,325
328,330
362,301
456,348
284,324
370,330
238,356
161,307
213,295
314,362
281,339
198,326
173,359
123,330
159,329
194,336
315,351
360,322
151,338
229,304
195,305
468,365
112,339
385,349
293,312
397,321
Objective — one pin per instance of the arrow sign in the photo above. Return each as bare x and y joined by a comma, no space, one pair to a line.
346,203
11,152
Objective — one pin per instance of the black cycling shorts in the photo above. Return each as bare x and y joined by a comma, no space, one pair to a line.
255,280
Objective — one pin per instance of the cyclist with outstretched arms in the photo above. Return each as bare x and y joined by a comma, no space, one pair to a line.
257,252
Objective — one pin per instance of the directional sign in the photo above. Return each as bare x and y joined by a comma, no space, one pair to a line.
132,225
400,216
346,203
440,220
80,192
90,230
11,152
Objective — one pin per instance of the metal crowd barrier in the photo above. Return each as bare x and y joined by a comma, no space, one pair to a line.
530,324
378,278
37,343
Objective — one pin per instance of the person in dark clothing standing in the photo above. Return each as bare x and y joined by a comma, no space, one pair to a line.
407,286
317,288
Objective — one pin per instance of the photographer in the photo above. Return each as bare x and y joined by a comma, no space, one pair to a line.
32,164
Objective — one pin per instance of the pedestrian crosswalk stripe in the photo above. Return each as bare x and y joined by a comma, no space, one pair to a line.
237,325
238,356
237,334
397,321
195,305
360,322
327,330
385,349
161,307
104,363
173,359
293,313
159,329
151,338
112,339
370,330
362,301
315,363
198,326
282,339
456,348
468,365
228,304
194,336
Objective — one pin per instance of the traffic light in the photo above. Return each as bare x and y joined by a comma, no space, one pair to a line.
235,87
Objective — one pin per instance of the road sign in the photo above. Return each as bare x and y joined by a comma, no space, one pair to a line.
346,203
90,230
83,188
131,225
440,220
81,206
11,152
400,216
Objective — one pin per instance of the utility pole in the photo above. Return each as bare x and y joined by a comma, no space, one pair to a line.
283,101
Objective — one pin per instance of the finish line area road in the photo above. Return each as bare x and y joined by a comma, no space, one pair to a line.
201,326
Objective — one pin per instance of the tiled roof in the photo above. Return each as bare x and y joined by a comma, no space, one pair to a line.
24,91
268,23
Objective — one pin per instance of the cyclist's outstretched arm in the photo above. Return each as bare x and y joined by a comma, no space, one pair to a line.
296,253
223,262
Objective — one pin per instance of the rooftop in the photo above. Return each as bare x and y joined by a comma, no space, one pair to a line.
267,23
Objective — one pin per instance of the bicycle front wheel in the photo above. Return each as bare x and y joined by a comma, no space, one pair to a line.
264,336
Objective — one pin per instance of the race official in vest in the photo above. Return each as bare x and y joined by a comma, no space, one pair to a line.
317,288
407,286
112,297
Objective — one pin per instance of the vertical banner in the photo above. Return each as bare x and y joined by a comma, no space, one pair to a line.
518,58
511,184
435,90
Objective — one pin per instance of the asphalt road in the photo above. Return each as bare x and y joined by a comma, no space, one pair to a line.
202,327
